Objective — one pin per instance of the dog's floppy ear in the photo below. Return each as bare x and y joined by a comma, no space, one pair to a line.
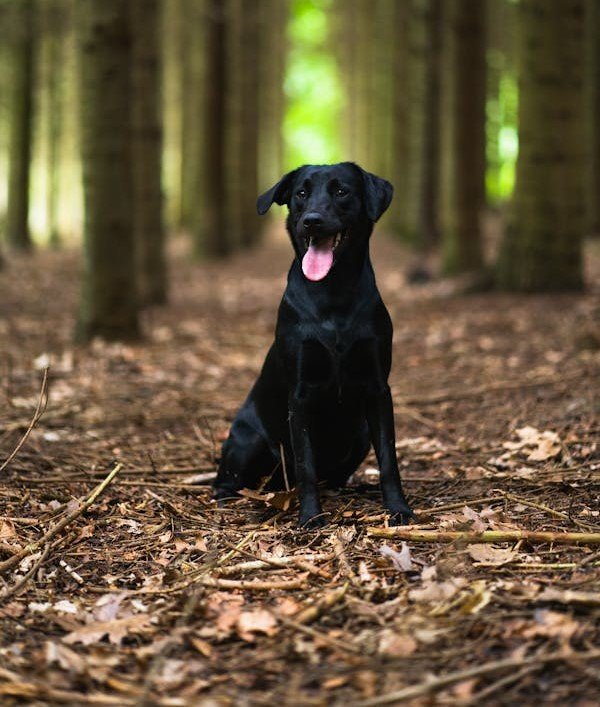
378,194
279,193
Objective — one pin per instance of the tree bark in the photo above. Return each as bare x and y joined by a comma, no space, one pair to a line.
21,122
149,232
463,182
249,124
54,21
273,18
109,299
417,218
593,117
542,248
211,238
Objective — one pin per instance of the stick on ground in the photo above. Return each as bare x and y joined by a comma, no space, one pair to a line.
486,536
69,518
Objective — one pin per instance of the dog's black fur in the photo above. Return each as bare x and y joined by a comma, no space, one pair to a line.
322,395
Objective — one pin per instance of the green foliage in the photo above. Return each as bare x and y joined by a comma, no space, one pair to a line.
312,87
502,135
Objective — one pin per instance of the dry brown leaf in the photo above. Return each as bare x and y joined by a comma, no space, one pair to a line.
395,644
115,630
490,554
282,500
552,624
7,530
257,621
65,657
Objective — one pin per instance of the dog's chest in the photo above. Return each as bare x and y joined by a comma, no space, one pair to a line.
338,354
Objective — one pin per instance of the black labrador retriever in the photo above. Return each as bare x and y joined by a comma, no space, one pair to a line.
322,395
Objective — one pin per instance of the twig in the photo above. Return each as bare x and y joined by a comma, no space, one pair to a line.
435,684
284,468
459,504
547,509
39,411
69,518
319,607
497,685
303,563
324,638
486,536
252,585
18,587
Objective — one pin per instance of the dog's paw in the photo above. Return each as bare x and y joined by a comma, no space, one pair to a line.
223,495
311,522
403,516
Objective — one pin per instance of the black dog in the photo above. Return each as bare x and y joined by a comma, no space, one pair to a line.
322,395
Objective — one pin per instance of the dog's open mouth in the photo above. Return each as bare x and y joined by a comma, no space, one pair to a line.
318,259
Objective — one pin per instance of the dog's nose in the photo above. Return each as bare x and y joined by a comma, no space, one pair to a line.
312,221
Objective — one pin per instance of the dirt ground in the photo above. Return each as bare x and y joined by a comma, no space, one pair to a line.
152,595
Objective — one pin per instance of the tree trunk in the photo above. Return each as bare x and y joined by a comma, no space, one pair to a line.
593,117
271,97
149,231
542,249
250,228
418,215
210,235
463,181
54,20
399,108
21,122
109,298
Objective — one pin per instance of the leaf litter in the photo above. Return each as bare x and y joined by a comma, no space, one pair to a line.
184,602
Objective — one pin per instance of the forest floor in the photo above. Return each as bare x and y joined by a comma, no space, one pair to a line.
152,595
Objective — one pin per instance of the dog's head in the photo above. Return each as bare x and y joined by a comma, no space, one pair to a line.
331,208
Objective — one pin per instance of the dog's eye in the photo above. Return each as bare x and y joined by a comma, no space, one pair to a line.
301,194
340,191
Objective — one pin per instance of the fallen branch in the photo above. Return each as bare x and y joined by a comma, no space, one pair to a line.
436,684
18,587
304,562
254,585
39,411
313,612
53,532
486,536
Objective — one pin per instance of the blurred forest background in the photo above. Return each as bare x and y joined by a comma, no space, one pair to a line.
123,121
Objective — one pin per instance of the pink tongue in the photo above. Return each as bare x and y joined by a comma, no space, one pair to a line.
318,259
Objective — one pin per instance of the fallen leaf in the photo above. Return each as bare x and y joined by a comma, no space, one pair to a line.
397,645
65,657
401,560
489,554
115,630
257,621
282,500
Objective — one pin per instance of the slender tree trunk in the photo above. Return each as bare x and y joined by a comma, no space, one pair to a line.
21,122
109,298
593,117
55,19
250,228
399,140
418,214
542,249
147,153
273,19
210,233
464,143
192,56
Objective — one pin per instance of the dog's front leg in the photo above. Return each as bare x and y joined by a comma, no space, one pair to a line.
304,463
380,416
